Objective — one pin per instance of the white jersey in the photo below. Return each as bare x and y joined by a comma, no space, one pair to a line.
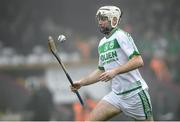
115,50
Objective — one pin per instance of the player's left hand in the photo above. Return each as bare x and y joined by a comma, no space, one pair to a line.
107,75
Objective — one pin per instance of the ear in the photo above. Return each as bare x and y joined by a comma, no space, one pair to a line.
114,21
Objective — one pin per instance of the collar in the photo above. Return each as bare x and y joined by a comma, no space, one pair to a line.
112,32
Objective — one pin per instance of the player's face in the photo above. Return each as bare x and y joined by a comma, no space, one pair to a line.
103,22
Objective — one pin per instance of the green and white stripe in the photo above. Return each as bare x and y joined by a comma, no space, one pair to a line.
146,104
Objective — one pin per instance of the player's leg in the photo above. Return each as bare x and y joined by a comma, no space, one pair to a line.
103,111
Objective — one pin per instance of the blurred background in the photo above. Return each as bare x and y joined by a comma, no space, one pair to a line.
32,84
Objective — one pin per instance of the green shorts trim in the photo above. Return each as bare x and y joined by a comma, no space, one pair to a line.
134,86
146,104
125,92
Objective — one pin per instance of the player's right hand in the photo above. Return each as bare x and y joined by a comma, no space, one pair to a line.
76,85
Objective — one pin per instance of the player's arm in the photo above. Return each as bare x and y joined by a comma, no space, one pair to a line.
135,62
90,79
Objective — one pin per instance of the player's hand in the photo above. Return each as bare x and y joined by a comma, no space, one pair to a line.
76,85
107,75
